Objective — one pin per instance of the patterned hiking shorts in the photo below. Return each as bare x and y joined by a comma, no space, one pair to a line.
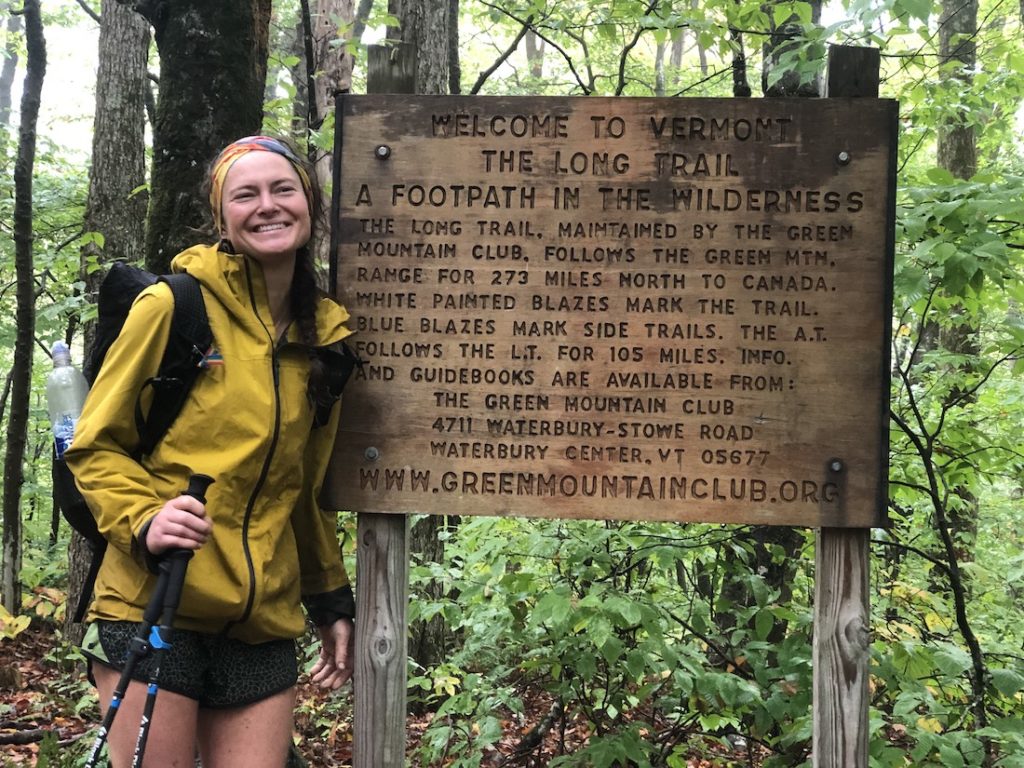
216,671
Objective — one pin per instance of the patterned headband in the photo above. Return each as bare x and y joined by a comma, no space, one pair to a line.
233,151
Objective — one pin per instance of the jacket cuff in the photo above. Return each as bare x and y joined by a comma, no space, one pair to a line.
141,550
326,608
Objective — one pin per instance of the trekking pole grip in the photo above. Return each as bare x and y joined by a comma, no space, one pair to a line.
176,561
197,485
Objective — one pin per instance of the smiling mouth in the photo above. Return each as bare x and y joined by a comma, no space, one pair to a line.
269,228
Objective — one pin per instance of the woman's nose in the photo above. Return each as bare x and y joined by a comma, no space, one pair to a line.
267,201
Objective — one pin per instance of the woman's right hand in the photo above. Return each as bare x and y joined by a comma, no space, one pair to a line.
180,524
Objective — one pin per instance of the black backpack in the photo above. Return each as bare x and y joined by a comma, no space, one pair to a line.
189,341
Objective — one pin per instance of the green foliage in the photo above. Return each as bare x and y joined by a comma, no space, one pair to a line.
598,617
595,616
622,633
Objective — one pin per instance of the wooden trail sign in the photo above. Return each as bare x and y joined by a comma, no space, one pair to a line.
617,308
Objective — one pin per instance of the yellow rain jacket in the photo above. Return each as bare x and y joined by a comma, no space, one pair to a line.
247,423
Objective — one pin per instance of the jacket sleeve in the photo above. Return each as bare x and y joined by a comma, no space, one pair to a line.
118,489
326,591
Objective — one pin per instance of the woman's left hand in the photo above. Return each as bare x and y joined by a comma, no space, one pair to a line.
337,651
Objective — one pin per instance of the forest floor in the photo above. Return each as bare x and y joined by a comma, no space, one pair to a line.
39,696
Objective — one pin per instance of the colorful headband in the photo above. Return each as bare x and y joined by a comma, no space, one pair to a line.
233,151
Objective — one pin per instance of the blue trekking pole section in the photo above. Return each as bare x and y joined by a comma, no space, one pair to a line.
153,636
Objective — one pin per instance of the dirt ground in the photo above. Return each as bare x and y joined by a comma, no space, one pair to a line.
38,697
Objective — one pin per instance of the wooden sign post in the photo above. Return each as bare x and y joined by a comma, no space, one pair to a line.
650,309
842,613
382,552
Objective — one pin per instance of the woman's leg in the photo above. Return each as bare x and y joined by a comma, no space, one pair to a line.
252,736
172,732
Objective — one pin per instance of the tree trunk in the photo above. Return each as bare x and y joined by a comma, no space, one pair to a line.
295,46
659,69
957,152
21,381
10,65
958,26
329,74
118,168
780,41
702,54
454,62
534,54
362,14
675,59
213,67
740,82
425,25
333,65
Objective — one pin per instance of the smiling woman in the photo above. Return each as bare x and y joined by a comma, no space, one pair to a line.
262,423
263,203
264,210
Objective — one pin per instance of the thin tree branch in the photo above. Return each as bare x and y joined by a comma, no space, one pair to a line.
630,46
549,41
482,78
89,11
914,550
312,115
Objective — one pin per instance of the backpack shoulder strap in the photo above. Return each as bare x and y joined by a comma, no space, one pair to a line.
339,363
189,341
190,322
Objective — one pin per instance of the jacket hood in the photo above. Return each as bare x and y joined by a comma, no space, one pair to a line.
237,282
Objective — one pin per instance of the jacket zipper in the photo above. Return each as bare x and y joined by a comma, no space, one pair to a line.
265,469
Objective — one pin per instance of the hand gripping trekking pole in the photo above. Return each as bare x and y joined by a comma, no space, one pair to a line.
152,636
173,566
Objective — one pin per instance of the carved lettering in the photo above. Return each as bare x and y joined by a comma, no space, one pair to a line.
612,304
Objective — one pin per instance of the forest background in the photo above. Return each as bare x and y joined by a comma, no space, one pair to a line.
546,642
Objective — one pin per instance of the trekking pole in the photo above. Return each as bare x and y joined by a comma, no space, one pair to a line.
174,564
162,605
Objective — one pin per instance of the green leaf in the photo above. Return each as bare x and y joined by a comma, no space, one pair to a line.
940,176
636,664
552,606
611,649
952,661
916,9
1013,725
1007,682
626,609
951,757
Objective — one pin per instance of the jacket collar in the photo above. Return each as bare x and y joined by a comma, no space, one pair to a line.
237,282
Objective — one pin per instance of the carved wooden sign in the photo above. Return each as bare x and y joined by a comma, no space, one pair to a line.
663,309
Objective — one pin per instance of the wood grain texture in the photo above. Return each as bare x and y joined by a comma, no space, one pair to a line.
379,682
840,657
382,557
842,612
617,308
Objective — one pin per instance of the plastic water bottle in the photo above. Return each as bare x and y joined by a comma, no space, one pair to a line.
66,389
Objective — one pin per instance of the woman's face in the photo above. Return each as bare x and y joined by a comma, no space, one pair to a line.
264,208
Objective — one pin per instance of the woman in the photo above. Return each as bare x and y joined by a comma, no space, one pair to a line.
260,420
